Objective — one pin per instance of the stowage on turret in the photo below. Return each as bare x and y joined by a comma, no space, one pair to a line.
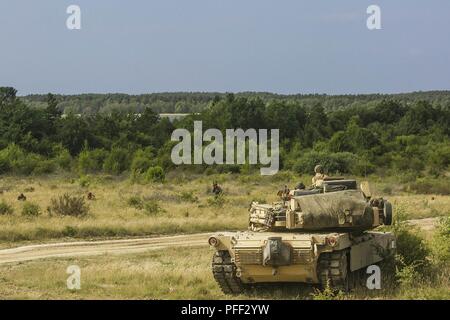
321,235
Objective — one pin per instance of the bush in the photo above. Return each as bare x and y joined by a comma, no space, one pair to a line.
63,159
91,161
135,202
327,293
8,156
117,161
188,197
4,164
441,242
67,205
152,207
84,181
217,201
341,162
31,209
44,167
5,208
26,164
412,248
142,160
282,176
15,159
412,252
430,186
228,168
155,174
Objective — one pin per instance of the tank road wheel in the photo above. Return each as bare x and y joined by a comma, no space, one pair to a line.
224,272
334,271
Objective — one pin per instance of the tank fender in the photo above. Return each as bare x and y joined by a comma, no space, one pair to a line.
331,242
368,249
221,241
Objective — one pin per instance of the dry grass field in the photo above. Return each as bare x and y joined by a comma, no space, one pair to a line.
181,205
167,274
184,204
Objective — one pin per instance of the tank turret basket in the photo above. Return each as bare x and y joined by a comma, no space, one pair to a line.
264,217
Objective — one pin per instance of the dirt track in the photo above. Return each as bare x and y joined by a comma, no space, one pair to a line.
425,224
92,248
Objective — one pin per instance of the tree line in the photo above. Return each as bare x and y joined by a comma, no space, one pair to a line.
192,102
347,134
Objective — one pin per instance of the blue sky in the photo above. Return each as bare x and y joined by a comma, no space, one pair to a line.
287,46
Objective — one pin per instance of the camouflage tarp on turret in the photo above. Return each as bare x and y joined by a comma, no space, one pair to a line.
330,210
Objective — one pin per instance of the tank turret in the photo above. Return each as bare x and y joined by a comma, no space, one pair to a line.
338,205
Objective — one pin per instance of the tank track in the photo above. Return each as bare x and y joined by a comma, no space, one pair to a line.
224,272
333,270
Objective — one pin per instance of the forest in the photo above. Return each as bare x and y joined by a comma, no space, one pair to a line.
403,134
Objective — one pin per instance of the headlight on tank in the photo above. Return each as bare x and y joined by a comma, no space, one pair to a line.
213,241
332,241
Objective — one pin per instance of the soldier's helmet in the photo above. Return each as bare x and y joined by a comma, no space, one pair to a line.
318,169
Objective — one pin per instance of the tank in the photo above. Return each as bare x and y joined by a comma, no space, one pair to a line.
322,236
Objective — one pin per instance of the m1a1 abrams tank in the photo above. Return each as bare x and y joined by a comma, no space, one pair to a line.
318,236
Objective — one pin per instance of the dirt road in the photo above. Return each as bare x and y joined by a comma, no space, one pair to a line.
426,224
92,248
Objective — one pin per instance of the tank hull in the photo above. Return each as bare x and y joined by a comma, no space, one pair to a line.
298,257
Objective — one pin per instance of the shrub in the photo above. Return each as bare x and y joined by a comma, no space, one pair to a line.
44,167
327,294
407,275
188,197
228,168
70,231
67,205
135,202
362,167
31,209
117,161
282,176
26,164
5,208
8,156
430,186
216,201
15,159
441,242
4,165
142,160
412,252
152,207
91,161
412,248
155,174
341,162
63,159
84,181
